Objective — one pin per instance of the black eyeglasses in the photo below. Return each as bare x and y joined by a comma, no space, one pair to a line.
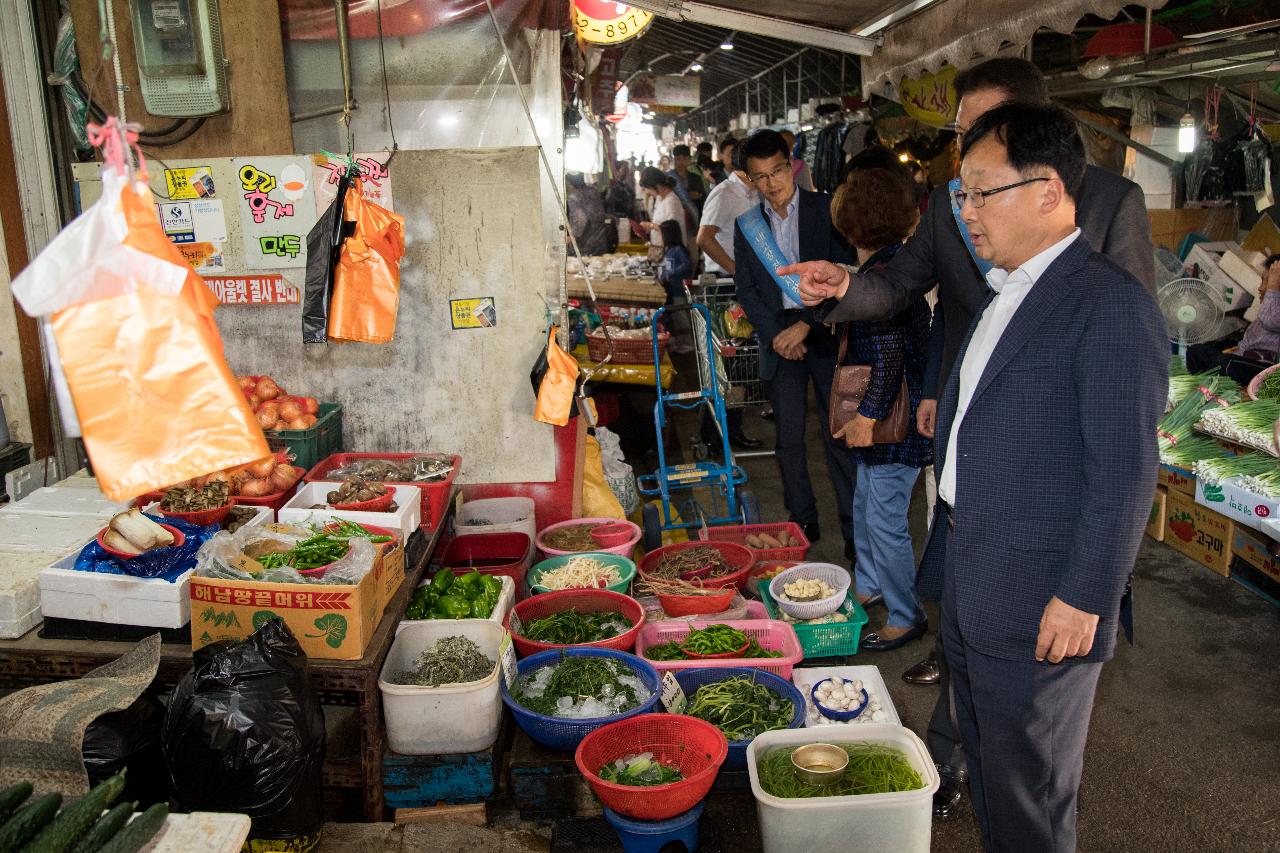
979,197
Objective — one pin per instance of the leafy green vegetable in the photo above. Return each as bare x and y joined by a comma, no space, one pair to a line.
740,707
873,769
333,627
569,627
640,771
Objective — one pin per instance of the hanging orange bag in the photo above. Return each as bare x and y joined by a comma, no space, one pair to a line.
556,384
366,280
136,342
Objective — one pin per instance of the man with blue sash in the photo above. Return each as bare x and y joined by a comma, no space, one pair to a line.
791,225
1111,213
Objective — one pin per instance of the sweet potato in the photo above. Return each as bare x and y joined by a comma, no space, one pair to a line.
753,541
769,541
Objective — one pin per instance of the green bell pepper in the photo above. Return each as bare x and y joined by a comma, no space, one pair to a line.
481,608
470,585
492,585
441,581
452,607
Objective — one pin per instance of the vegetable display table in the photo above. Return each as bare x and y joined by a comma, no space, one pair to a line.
31,660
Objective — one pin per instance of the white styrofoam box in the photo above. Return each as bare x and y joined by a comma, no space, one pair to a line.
871,680
1207,257
452,718
1154,177
118,599
19,584
12,629
405,519
262,516
899,821
506,600
502,515
51,534
68,500
1239,504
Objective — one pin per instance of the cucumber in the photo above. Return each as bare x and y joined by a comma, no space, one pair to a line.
11,798
28,820
75,820
139,831
105,829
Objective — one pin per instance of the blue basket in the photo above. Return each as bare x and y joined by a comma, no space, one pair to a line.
691,679
565,735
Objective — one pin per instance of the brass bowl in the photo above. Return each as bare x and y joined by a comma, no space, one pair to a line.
820,763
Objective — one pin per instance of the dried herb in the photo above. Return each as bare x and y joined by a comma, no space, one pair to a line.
452,660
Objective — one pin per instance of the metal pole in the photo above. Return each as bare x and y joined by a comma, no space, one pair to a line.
1112,133
344,60
1146,35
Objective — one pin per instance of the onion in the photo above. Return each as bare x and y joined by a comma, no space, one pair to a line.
261,468
255,488
267,389
299,423
219,477
310,405
310,420
291,410
247,382
268,419
283,477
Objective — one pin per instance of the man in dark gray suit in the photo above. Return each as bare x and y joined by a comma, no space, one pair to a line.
1111,212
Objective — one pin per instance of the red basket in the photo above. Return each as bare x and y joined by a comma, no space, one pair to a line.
491,554
276,501
148,498
738,533
583,601
740,557
626,350
435,495
179,539
695,747
379,504
763,566
694,605
202,517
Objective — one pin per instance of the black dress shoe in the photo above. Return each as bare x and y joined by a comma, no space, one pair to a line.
743,442
811,531
766,414
946,800
873,601
925,672
873,643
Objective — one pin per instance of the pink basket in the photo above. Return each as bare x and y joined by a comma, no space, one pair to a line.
738,533
771,634
626,549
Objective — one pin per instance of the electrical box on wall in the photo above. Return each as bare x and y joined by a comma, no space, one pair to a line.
182,67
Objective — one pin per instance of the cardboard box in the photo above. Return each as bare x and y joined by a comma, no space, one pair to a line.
406,518
334,622
1238,504
1255,580
1254,549
1199,533
1155,522
1176,479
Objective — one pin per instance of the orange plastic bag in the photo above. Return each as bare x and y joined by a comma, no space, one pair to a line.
555,393
366,280
143,361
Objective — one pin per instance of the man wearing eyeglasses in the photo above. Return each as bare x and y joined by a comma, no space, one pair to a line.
1111,213
789,225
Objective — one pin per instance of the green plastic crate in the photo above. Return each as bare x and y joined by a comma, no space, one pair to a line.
836,639
311,445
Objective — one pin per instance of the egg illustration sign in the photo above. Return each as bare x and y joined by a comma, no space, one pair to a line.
277,209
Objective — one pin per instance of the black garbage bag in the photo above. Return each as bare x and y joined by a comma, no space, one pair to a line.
244,733
324,244
130,740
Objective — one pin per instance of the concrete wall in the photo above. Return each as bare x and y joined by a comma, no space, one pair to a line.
13,391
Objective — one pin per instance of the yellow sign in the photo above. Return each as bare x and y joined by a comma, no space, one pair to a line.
188,183
473,313
931,98
606,22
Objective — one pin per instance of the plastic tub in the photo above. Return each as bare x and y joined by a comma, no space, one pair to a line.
583,601
691,679
501,515
836,577
200,518
626,569
739,557
441,720
435,493
493,554
623,550
900,822
738,533
771,634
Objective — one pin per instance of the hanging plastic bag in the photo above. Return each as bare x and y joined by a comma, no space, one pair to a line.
366,280
557,384
324,242
129,740
244,733
598,500
143,360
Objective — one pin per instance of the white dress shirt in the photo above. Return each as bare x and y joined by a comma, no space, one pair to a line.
1011,288
664,209
728,200
786,230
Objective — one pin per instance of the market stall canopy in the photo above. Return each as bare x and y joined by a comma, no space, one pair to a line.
955,31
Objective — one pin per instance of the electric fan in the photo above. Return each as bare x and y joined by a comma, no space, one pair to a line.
1193,311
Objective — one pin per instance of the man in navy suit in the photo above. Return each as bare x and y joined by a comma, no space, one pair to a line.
1046,454
795,349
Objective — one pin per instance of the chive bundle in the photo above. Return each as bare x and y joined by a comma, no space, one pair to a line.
1210,393
1251,423
873,769
1254,472
1190,450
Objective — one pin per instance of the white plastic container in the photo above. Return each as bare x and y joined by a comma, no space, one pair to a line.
47,533
406,518
867,823
506,600
503,515
66,593
442,720
68,500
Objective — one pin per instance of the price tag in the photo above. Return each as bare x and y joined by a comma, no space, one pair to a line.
507,657
516,626
673,698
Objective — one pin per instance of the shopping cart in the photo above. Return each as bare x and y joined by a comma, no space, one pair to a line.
737,362
714,488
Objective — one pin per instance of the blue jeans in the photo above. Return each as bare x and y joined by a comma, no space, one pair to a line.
886,564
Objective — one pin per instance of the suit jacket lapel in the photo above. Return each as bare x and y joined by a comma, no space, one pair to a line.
1035,308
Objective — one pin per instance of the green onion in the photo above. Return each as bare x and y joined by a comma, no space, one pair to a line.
873,769
740,707
1212,392
1252,423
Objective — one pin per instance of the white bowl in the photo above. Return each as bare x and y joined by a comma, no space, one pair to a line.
835,577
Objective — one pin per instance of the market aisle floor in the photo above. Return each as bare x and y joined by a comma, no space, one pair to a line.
1184,748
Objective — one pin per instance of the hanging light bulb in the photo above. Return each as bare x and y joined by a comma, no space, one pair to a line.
727,44
697,66
1187,134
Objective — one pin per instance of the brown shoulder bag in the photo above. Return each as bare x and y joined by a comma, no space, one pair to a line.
850,386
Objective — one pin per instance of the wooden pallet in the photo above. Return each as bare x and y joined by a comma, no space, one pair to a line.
471,814
427,781
546,785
